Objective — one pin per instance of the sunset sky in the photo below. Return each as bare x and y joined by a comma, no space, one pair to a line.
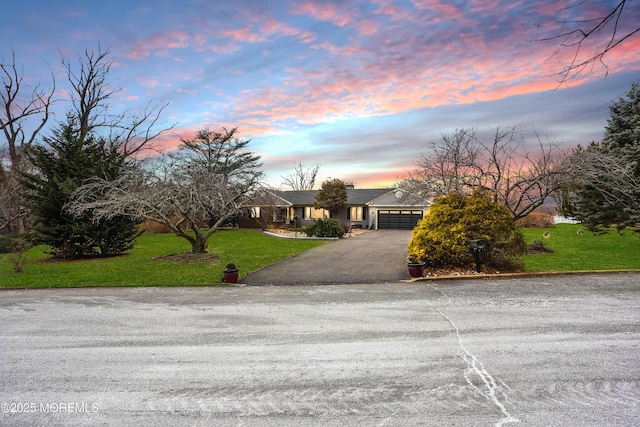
358,87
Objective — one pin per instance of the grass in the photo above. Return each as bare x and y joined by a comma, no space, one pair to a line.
249,249
577,252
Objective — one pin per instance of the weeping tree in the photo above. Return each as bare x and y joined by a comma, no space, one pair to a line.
603,188
194,191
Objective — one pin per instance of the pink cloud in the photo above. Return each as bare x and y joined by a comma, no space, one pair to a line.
408,61
381,179
322,11
242,35
379,86
150,82
271,26
367,26
159,42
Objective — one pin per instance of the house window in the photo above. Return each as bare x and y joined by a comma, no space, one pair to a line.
313,213
356,213
254,212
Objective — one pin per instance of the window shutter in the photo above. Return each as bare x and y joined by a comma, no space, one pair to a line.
349,212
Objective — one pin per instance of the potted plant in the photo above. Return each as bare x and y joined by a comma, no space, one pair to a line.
416,268
230,273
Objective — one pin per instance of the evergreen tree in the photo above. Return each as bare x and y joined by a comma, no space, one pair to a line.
607,175
62,163
332,196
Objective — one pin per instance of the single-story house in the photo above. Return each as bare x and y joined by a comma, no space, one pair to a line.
374,208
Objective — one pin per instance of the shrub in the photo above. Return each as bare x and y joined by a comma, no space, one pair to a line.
18,256
324,227
5,244
537,220
440,238
538,246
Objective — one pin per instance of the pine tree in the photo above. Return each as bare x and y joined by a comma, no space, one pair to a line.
62,163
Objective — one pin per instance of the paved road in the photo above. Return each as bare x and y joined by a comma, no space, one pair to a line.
536,351
372,257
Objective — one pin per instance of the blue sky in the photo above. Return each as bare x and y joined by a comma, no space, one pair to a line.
358,87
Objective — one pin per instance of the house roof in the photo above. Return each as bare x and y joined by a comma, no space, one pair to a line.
395,198
365,195
354,196
298,197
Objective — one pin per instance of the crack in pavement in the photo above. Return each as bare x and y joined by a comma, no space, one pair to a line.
490,390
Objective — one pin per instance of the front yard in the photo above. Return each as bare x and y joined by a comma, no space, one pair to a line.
148,264
153,262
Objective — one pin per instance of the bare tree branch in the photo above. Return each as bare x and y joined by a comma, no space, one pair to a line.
127,131
20,103
605,31
25,111
302,178
462,162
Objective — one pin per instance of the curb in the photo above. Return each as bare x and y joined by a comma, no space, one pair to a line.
485,276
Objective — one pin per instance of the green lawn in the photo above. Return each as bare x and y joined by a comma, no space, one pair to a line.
249,249
575,252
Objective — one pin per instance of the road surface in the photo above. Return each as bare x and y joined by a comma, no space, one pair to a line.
535,351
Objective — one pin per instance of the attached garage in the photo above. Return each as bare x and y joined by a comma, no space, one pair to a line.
398,219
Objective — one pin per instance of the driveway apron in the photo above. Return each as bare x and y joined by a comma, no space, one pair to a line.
372,257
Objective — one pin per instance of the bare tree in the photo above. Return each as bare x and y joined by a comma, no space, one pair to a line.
208,181
25,111
463,161
607,30
302,178
127,131
446,168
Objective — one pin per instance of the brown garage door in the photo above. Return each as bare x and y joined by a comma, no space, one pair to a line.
398,220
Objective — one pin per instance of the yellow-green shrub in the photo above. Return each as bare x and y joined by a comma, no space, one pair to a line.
440,238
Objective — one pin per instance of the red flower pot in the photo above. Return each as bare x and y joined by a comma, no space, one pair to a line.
416,269
230,276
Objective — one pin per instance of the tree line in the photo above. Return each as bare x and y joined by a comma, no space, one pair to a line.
84,188
597,184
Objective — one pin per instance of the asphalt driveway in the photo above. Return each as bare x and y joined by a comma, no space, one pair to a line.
372,257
